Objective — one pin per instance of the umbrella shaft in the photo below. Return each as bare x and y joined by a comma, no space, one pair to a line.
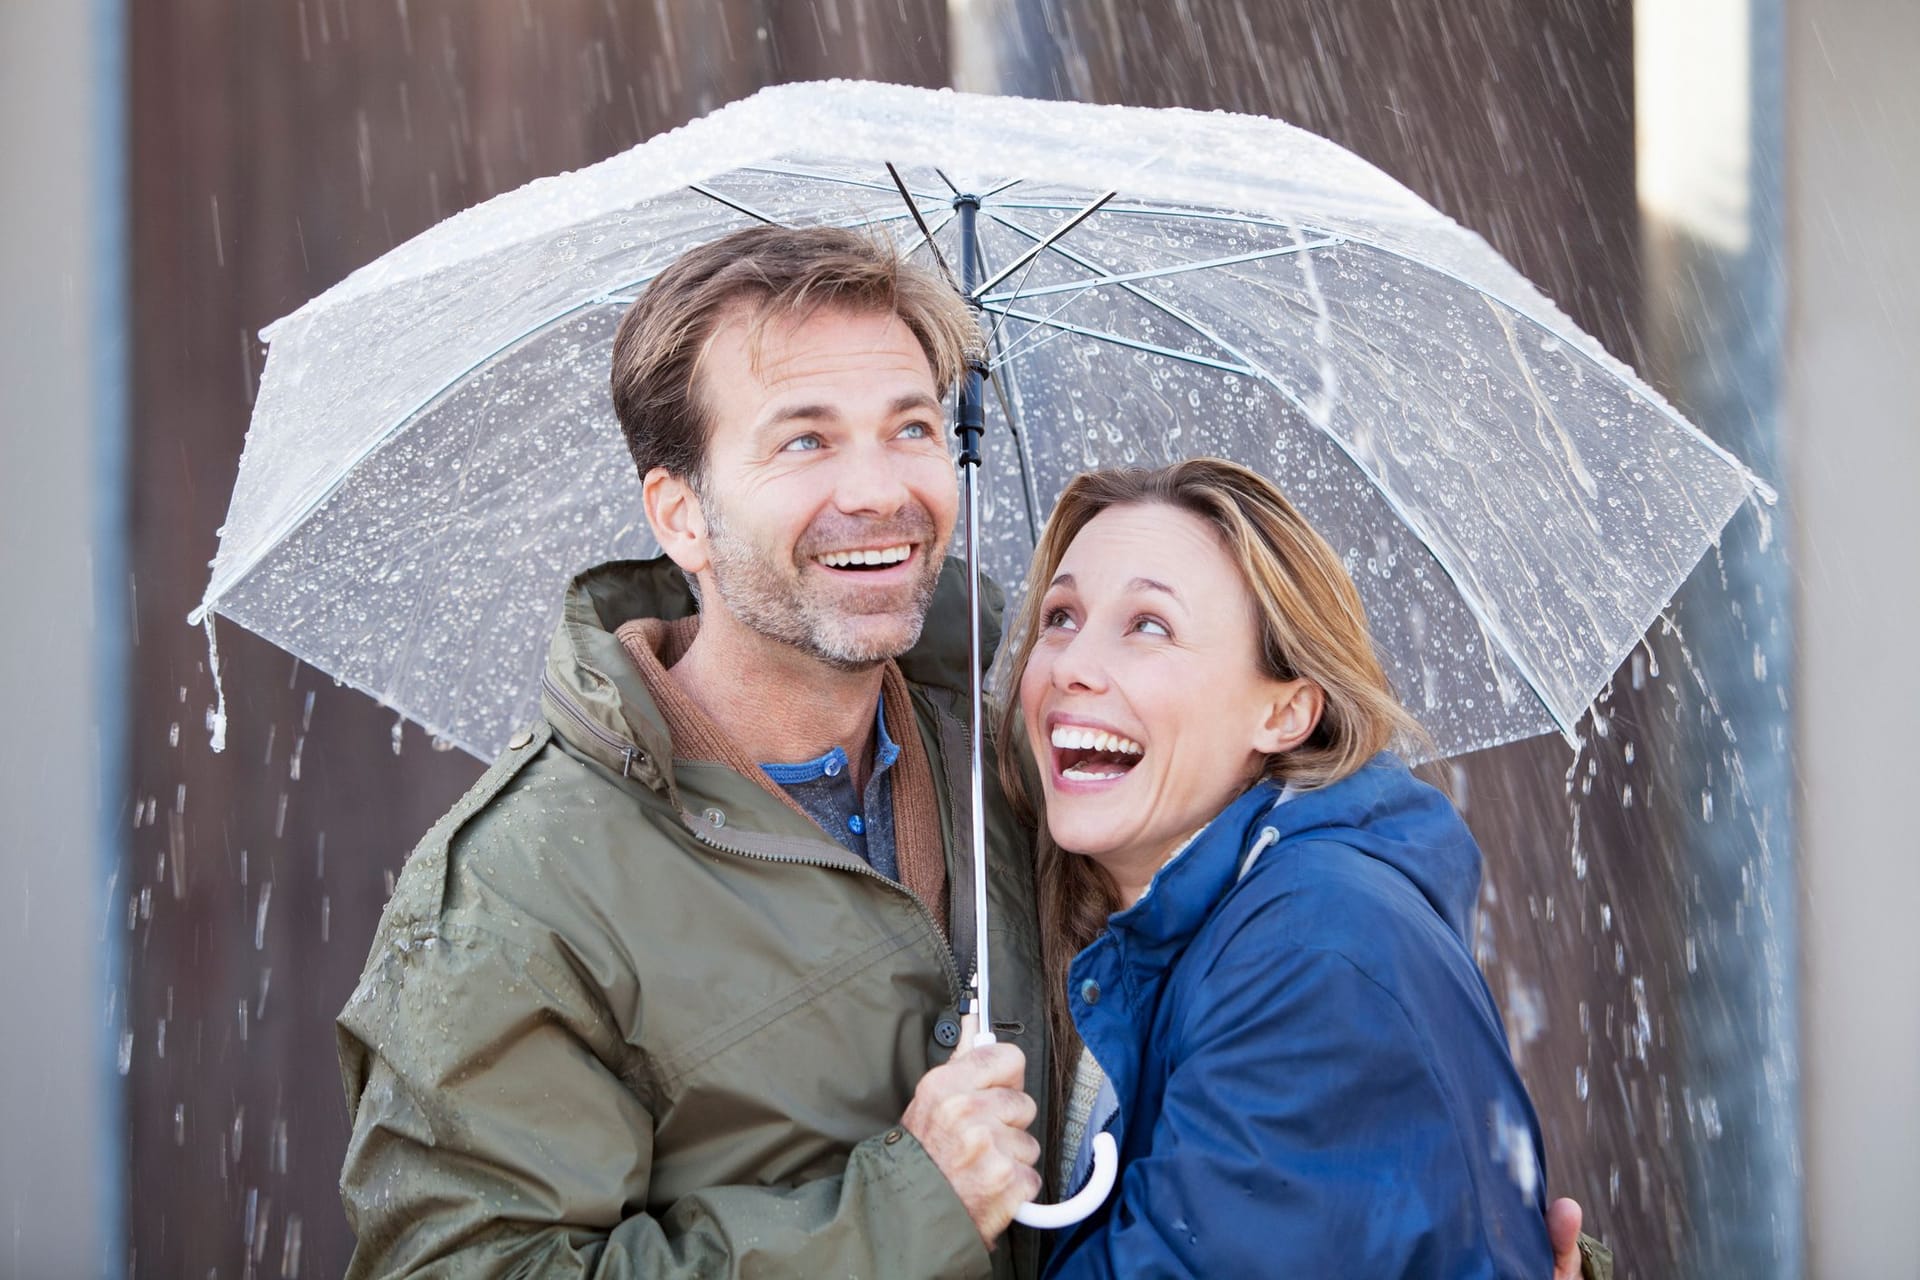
976,720
969,421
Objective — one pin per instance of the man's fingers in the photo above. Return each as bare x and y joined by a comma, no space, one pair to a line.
991,1066
1563,1230
1012,1107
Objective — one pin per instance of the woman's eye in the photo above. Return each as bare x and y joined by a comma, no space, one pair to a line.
1057,619
801,444
1151,626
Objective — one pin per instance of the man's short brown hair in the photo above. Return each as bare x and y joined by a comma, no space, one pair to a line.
776,273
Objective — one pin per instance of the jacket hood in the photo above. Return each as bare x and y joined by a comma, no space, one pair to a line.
1390,815
597,700
1382,811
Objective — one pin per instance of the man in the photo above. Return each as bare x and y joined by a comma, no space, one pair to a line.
674,990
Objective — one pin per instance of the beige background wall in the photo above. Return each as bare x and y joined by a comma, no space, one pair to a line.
1853,143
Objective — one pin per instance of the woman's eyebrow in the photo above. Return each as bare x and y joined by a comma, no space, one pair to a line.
1150,584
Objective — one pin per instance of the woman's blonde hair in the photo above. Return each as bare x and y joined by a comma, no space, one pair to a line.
1311,626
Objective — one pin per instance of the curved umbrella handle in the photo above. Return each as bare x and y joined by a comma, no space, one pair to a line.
1051,1217
1106,1169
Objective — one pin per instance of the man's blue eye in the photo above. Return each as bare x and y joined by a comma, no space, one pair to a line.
916,431
801,444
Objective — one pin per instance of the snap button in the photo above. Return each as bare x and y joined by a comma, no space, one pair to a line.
947,1033
519,740
856,825
893,1136
833,768
1090,991
716,817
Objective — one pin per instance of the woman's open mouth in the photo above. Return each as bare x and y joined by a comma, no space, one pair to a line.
1081,754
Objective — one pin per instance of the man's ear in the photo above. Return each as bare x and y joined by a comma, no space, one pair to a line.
1292,715
679,522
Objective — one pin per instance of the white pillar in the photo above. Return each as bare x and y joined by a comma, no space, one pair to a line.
61,154
1853,171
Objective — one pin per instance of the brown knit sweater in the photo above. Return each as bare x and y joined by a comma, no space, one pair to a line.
655,644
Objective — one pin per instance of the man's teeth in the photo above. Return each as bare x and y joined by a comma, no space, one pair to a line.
1071,738
845,559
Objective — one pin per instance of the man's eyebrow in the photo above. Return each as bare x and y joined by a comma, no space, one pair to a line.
800,413
812,412
915,400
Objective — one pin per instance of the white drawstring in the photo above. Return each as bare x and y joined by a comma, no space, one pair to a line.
1267,836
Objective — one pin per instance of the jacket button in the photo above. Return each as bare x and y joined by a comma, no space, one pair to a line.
519,740
1090,991
893,1136
716,817
947,1033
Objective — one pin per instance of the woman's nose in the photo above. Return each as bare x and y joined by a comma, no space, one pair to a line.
1078,666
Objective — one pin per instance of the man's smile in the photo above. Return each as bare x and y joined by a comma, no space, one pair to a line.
866,558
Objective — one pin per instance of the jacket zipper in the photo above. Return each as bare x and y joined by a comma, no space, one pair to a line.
952,962
628,751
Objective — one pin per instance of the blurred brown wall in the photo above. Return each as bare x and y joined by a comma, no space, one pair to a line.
276,147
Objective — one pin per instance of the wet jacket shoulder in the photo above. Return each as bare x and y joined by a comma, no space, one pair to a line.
1313,1078
629,1015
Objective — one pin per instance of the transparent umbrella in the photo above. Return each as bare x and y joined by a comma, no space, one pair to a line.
433,451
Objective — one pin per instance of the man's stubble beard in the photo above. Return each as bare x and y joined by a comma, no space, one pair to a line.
770,599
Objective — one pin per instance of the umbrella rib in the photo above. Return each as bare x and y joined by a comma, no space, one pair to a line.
1094,282
1000,319
1000,372
1088,264
1492,626
921,222
938,227
1104,336
1160,211
785,171
1051,239
736,205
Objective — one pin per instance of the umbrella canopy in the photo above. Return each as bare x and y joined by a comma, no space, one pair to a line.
433,452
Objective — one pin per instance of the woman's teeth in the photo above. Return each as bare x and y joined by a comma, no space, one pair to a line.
1069,738
1096,755
848,559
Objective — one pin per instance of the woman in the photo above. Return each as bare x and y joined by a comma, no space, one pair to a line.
1256,914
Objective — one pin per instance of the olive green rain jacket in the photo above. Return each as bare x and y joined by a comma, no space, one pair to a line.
628,1015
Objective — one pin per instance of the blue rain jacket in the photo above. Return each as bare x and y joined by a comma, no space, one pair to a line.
1313,1079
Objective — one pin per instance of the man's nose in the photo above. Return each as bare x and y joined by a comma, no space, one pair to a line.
870,482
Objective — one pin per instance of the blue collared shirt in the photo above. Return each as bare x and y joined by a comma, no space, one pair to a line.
862,823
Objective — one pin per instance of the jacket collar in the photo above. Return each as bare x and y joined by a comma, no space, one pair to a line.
1184,892
597,701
